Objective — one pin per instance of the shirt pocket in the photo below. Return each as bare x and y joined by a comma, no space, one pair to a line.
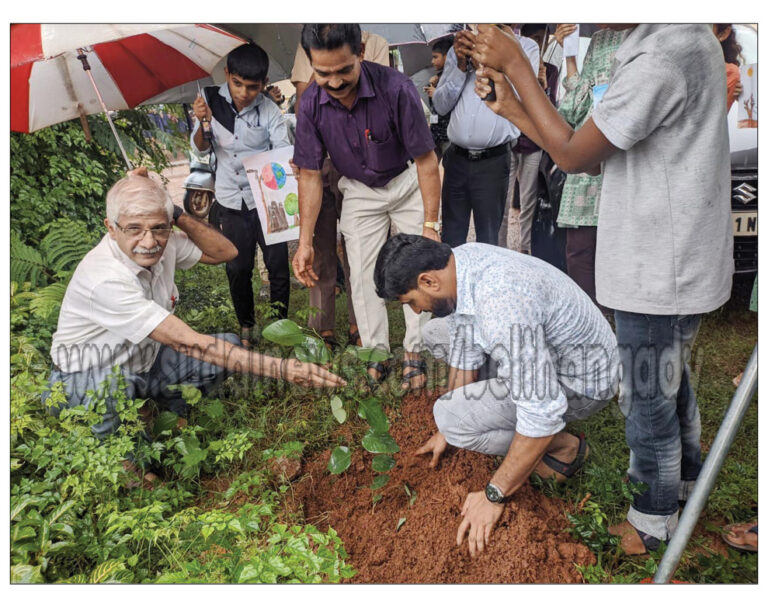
256,138
384,154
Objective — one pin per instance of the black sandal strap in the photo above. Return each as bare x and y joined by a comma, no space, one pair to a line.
421,365
380,366
570,468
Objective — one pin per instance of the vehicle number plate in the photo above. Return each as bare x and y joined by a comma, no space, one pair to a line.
744,223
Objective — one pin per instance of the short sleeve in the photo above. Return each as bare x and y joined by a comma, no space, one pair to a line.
121,307
411,122
302,69
645,93
376,50
309,151
187,252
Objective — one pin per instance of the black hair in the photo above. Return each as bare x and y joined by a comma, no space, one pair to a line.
443,45
731,48
248,61
530,28
402,258
330,37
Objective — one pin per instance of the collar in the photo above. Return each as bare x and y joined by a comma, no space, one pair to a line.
224,92
364,88
132,266
465,301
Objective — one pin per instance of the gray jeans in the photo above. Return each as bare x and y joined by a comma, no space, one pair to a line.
170,368
481,416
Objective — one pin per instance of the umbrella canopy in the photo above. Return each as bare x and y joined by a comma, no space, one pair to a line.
129,64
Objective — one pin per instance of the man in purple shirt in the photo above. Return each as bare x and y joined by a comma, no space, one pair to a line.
369,120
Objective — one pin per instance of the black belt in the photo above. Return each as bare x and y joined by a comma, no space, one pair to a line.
474,155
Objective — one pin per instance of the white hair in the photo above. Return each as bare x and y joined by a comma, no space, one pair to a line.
137,196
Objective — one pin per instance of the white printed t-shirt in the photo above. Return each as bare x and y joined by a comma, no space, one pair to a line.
112,304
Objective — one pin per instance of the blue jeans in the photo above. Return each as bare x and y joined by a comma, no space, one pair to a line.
663,426
170,368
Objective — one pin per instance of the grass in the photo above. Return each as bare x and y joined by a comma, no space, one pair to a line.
722,349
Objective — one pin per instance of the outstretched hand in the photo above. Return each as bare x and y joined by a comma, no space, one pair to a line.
480,516
436,445
302,266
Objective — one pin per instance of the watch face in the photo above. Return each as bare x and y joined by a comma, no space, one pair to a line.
493,494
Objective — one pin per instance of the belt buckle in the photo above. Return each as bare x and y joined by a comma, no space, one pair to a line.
475,154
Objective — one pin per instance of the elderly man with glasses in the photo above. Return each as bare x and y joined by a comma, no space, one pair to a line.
117,313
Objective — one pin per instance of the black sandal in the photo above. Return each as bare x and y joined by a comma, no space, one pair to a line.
331,342
418,367
354,338
382,367
568,469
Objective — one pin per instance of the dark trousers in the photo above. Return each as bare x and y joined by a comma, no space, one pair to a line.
243,228
477,187
580,246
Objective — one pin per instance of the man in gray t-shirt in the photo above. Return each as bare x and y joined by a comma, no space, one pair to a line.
664,244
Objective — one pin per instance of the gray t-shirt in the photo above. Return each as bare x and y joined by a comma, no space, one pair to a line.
664,239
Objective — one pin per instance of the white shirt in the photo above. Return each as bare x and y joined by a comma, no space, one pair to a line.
474,125
112,304
550,340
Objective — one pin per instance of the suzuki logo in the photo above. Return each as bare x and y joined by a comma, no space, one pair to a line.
745,193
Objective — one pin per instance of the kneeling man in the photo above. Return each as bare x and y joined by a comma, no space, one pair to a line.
118,312
556,358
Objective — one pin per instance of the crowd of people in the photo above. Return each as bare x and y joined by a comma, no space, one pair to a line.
529,347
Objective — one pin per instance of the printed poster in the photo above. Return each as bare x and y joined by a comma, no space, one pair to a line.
747,114
276,192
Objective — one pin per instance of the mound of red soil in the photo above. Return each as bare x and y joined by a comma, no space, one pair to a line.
529,545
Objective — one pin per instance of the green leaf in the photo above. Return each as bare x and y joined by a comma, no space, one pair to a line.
374,415
371,355
214,409
382,463
376,498
284,332
380,443
107,571
26,574
341,458
165,421
337,408
312,350
379,482
400,523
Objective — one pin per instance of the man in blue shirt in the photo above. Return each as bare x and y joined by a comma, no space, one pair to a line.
244,122
477,162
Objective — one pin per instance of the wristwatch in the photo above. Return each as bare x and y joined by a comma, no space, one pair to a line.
177,212
496,495
434,225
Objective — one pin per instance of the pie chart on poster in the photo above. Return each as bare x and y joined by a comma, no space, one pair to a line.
273,175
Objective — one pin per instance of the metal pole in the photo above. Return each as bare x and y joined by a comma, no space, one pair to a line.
709,472
87,68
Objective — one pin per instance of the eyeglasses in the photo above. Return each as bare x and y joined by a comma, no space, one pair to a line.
158,232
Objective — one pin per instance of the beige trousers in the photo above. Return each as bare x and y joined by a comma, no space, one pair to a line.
365,223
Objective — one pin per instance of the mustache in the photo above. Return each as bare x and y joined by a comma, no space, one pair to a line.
152,251
341,88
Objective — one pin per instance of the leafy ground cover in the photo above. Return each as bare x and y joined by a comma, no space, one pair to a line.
246,493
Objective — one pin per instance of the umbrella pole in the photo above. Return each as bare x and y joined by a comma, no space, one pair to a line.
87,68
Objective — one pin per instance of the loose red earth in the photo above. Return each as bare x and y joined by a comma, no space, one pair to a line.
529,545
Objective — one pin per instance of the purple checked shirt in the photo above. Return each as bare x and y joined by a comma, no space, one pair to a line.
387,105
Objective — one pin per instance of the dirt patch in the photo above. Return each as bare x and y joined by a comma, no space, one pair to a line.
529,545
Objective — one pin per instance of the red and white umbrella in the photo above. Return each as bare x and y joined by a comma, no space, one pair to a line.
128,65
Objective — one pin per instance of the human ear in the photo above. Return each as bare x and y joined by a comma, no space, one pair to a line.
110,229
428,282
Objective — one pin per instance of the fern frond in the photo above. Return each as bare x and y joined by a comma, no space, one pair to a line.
48,300
27,264
65,244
